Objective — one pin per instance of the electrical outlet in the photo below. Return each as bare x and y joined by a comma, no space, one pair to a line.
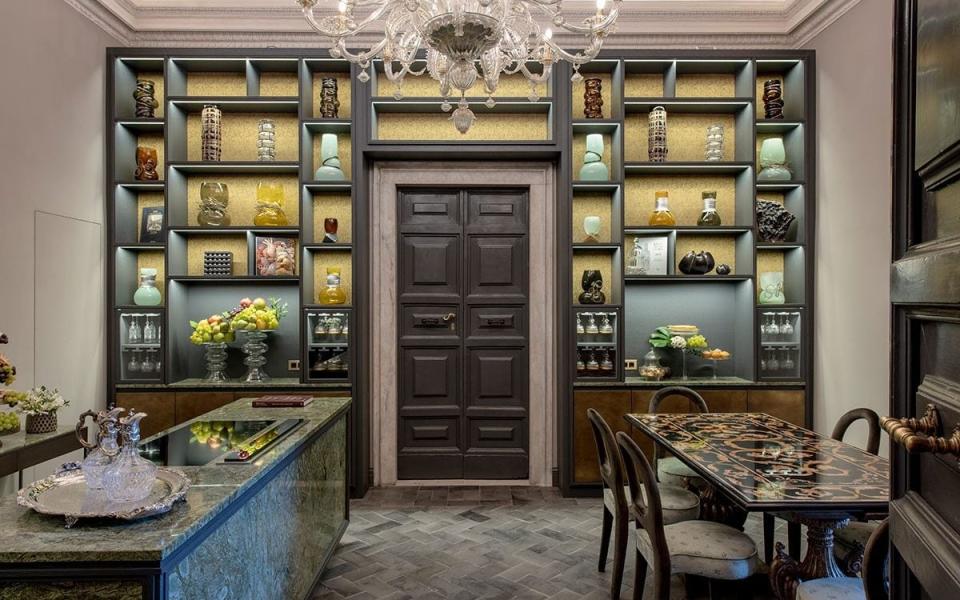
630,364
293,365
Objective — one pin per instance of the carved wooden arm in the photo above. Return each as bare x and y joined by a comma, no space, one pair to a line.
920,435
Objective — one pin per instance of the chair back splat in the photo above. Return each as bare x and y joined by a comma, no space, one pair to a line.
643,484
851,417
696,400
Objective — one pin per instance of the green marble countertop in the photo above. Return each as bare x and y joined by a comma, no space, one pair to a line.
22,440
693,382
27,537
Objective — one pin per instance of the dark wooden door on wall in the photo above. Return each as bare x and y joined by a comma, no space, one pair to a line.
925,291
463,373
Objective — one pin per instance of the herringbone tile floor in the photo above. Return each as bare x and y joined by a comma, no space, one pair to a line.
470,543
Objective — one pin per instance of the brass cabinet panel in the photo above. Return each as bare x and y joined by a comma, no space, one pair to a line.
194,404
159,407
612,406
783,404
726,400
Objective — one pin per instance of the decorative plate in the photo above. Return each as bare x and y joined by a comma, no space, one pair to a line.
66,494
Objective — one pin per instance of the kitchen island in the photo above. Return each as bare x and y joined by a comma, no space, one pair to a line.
259,530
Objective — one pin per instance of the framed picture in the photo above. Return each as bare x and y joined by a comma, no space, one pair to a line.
647,255
151,225
276,256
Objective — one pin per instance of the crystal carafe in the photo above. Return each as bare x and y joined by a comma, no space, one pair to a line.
709,217
130,477
147,294
101,453
661,215
333,294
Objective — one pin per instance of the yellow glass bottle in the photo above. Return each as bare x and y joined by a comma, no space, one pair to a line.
270,206
661,215
333,294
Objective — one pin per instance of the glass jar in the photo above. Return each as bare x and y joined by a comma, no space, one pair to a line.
661,215
214,199
270,199
709,217
147,294
130,477
333,294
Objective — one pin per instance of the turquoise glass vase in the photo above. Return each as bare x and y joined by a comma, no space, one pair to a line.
773,161
329,160
593,168
147,294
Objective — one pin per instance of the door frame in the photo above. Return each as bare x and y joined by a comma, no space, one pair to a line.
539,178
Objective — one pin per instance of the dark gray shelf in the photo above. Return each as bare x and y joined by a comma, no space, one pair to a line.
688,105
687,278
141,125
239,167
685,168
238,104
721,230
239,279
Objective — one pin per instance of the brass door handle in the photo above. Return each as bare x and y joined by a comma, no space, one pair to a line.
920,435
450,317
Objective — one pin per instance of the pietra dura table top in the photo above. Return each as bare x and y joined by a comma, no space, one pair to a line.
763,463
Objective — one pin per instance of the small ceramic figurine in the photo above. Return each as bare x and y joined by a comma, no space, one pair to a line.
146,164
592,283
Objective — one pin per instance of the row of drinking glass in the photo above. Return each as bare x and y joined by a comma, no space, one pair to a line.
780,323
332,324
591,328
144,363
150,333
770,362
587,361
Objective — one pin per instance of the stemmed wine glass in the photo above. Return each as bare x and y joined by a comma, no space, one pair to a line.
150,332
134,333
580,328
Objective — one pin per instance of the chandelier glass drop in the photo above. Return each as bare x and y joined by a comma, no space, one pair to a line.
464,40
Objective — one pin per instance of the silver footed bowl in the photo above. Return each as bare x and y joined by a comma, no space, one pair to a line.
65,494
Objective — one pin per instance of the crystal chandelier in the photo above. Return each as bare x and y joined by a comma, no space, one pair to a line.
464,40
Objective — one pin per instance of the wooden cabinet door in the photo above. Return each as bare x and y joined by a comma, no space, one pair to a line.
612,406
925,296
194,404
160,408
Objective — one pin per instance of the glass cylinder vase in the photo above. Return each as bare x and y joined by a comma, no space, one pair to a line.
255,348
215,354
211,142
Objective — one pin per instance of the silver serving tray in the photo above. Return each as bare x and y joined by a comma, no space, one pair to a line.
65,494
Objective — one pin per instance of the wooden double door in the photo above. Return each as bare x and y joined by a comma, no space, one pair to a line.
463,334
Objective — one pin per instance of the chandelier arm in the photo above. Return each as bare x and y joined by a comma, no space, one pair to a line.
596,26
361,57
582,56
536,77
407,68
342,30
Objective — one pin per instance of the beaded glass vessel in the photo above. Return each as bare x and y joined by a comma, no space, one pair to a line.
266,140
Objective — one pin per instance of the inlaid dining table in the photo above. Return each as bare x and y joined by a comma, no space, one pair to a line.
758,463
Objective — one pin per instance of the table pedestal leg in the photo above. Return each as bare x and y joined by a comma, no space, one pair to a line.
714,506
819,562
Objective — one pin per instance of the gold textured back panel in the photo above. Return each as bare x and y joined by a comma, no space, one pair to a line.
593,260
243,196
198,244
279,83
153,140
158,93
338,206
606,93
216,84
332,258
686,136
722,247
770,196
343,93
769,260
592,204
580,147
510,86
239,133
707,85
686,197
344,150
153,259
760,80
146,200
643,85
487,127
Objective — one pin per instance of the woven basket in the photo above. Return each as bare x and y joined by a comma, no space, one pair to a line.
45,423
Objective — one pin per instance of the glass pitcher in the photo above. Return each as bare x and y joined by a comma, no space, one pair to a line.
103,451
130,477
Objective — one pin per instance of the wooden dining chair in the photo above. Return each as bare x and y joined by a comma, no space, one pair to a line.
873,585
701,548
679,504
670,469
854,536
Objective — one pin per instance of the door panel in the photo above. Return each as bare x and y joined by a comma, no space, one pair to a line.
925,294
472,425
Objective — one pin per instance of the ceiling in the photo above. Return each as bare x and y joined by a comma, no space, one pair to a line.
642,23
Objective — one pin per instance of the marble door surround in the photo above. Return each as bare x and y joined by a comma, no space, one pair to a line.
540,179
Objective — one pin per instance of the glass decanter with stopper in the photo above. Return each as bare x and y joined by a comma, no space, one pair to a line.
214,199
130,477
709,217
270,201
103,451
661,215
147,293
333,294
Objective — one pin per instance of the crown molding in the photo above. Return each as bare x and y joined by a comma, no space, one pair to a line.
642,24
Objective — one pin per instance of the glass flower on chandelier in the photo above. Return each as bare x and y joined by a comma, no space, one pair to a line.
465,41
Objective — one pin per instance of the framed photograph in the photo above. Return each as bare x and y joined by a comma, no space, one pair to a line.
276,256
647,255
151,225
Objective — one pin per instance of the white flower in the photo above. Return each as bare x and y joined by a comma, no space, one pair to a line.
41,400
678,342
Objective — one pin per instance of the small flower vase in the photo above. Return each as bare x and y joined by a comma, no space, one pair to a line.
773,161
657,134
266,140
146,102
216,357
773,99
713,149
329,160
42,423
591,227
771,288
593,98
593,168
329,103
211,142
214,199
330,226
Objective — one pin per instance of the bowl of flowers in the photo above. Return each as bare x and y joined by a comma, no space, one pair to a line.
41,405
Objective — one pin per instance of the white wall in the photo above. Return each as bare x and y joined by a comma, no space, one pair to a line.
51,200
854,193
